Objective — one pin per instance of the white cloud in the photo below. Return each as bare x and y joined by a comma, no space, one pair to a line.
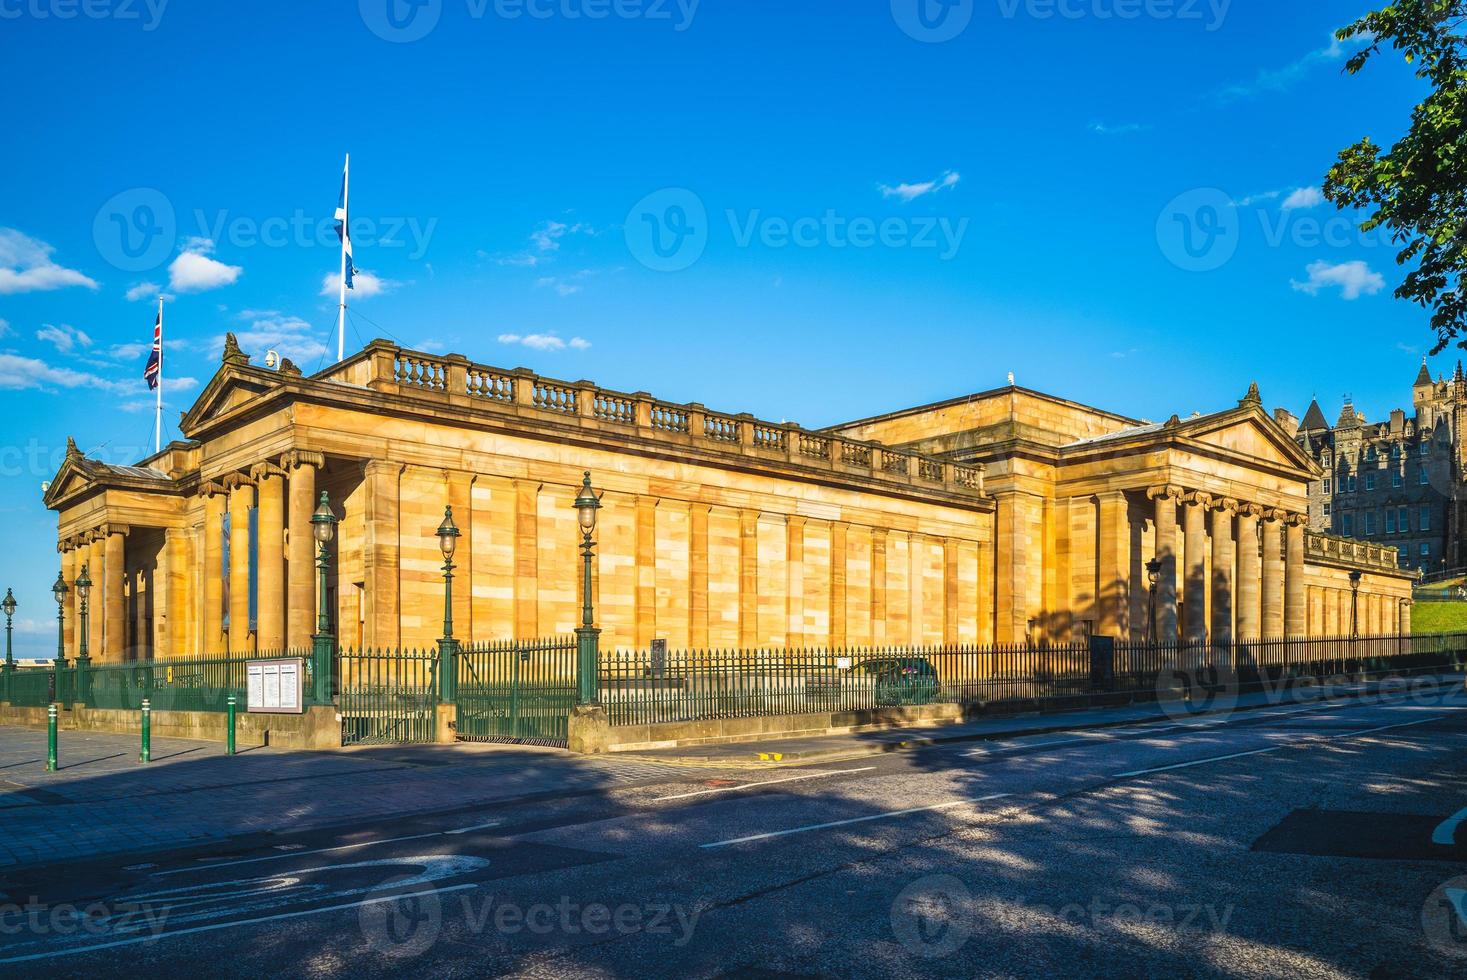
1279,79
1302,199
364,285
910,192
544,341
26,373
64,338
1122,129
143,290
194,271
565,285
1354,279
290,336
26,266
5,330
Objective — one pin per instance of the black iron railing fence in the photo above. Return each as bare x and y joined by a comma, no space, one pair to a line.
654,687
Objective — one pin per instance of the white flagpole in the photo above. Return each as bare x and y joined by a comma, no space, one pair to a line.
345,232
158,427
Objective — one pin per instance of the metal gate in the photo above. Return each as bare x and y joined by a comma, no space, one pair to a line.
387,696
517,691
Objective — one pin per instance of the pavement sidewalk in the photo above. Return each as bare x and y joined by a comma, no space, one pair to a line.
855,745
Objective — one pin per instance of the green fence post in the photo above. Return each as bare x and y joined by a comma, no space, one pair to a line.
51,737
147,753
229,732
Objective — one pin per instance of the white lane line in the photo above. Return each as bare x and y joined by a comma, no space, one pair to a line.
1446,831
322,850
1198,762
53,954
844,823
1239,755
767,782
477,826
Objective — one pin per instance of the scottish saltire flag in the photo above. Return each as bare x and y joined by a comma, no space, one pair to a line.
343,232
155,359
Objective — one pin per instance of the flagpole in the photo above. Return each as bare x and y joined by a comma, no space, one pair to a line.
345,234
158,426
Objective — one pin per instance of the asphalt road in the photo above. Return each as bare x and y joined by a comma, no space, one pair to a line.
1292,842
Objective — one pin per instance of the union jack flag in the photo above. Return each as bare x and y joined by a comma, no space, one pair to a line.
155,359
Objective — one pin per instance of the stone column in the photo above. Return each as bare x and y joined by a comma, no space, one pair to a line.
698,576
526,555
1222,571
241,500
270,611
175,578
950,548
71,558
1165,498
300,616
878,586
1272,624
646,570
1249,573
794,592
215,640
1113,541
97,600
748,578
382,554
1194,585
839,546
114,596
1294,610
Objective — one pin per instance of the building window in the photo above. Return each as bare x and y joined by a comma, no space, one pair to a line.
1326,485
1425,448
1423,519
1369,481
1370,523
1350,483
1390,521
1426,551
1396,478
1347,525
1423,479
1370,454
1403,520
1326,508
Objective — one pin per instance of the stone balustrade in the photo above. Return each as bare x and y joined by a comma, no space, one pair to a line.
522,393
1359,554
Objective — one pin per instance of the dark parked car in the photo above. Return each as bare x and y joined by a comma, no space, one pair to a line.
901,680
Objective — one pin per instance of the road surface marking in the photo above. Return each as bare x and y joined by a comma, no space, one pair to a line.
1198,762
1446,831
844,823
323,850
767,782
1386,728
477,826
169,934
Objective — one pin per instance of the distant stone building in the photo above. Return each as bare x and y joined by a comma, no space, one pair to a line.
1396,481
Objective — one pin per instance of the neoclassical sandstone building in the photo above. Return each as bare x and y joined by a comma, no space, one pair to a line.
1000,517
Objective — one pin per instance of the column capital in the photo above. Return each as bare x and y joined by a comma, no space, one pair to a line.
261,471
296,458
1165,491
1225,505
234,481
795,520
213,488
1296,520
1198,498
1274,515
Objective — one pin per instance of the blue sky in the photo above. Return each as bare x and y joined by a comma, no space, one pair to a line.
811,211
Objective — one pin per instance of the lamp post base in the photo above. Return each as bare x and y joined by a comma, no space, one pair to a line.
589,731
323,645
588,641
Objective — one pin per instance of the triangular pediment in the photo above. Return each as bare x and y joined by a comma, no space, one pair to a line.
68,480
1248,432
229,389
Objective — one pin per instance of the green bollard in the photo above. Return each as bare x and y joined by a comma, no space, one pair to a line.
51,738
229,732
147,753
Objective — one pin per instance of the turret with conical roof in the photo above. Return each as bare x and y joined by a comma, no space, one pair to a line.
1314,420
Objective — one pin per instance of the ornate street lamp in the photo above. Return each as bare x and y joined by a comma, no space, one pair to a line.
1153,575
8,604
1355,577
588,636
323,528
447,647
83,591
60,591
